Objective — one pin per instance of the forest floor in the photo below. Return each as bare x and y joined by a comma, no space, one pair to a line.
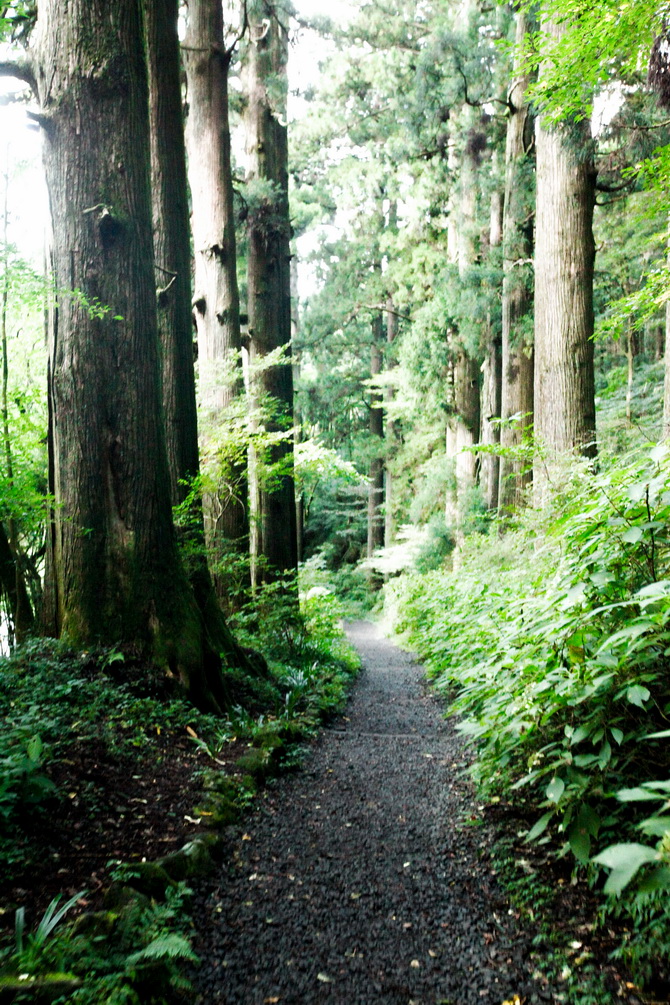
368,878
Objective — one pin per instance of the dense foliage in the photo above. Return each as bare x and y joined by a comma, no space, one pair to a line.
551,644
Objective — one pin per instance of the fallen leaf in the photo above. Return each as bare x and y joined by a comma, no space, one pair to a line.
192,732
415,964
431,952
270,1001
355,896
247,837
407,924
324,978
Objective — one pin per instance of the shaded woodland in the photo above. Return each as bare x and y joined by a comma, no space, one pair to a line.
393,341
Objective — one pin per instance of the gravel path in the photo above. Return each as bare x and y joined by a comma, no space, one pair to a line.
359,880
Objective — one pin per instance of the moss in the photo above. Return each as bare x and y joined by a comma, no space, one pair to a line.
44,989
119,896
219,811
256,762
95,924
191,861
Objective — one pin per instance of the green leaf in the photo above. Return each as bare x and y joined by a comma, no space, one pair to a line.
617,734
624,860
580,734
585,760
655,826
580,842
555,789
632,535
636,795
539,827
657,879
637,695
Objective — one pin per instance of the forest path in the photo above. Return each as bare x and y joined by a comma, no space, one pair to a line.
359,880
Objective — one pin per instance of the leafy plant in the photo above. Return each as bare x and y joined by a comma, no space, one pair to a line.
31,950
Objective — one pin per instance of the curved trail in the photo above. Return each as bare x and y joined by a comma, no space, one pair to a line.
359,880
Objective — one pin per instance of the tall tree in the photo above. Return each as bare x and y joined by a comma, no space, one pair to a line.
492,366
171,243
376,428
114,565
269,281
564,260
216,302
517,294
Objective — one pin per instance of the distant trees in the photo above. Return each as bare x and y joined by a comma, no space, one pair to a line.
492,264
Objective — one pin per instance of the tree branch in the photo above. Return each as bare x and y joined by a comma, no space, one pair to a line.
20,69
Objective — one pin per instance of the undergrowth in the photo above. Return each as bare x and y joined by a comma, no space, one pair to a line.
552,644
53,697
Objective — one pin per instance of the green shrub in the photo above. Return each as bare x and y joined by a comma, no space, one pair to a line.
555,654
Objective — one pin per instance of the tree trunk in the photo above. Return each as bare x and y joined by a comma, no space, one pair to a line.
665,432
376,427
516,406
564,259
466,368
492,374
269,285
171,243
117,574
391,436
216,300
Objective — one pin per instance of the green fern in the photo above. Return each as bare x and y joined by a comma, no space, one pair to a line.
167,946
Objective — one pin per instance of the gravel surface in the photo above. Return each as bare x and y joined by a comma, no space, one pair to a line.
365,878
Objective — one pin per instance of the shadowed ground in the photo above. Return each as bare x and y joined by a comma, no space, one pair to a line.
365,879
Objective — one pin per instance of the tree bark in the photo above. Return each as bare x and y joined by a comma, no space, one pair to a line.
171,244
516,407
269,284
118,578
665,432
564,260
216,300
492,373
391,435
376,429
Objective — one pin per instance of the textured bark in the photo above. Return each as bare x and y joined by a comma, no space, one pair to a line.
517,294
492,375
466,368
665,432
564,260
463,427
391,434
216,299
269,282
117,576
171,243
376,428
